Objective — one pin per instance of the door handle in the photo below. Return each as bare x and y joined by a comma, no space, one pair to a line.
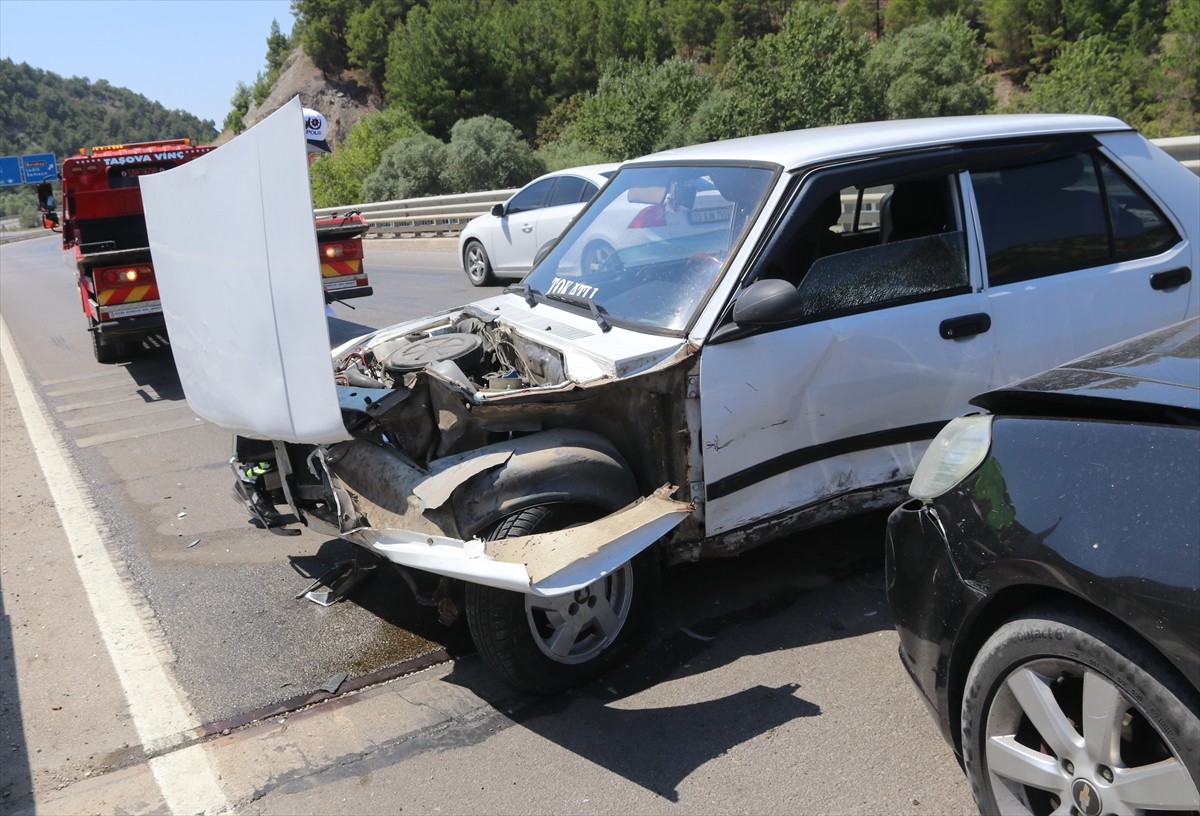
1170,279
955,328
527,228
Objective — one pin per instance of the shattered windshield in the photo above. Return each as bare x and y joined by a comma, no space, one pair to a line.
651,245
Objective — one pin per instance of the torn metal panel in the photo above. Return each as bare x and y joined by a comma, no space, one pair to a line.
552,554
546,564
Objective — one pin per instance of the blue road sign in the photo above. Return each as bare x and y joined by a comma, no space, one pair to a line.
10,171
39,167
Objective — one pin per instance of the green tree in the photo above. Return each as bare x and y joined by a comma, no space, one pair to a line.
746,20
640,107
1027,35
278,48
410,168
902,14
321,27
806,75
1090,76
1175,79
338,180
239,105
367,33
486,153
934,68
439,67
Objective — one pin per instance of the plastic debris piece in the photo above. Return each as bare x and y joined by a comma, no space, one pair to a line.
334,683
181,515
193,544
696,635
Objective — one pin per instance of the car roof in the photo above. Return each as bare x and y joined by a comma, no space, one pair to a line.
797,148
593,172
1160,368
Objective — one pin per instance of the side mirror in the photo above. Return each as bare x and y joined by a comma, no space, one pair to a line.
768,301
498,210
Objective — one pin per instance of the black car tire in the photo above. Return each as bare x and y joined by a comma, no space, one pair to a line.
513,631
477,264
1144,714
595,257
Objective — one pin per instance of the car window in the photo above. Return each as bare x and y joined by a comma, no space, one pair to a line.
1066,214
532,197
653,242
1139,227
869,245
572,190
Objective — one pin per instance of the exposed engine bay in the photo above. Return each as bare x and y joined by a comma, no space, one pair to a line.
478,355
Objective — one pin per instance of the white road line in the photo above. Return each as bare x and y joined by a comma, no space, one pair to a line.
161,716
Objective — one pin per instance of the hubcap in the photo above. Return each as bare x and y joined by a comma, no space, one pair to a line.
577,627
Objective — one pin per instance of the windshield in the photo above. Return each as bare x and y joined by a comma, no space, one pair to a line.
651,245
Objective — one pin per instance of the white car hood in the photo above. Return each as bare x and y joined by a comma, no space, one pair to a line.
235,255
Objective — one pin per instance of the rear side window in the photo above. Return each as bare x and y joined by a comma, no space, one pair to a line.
572,190
1065,214
1139,227
531,198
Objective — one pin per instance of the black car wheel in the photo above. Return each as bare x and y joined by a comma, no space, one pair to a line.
1064,714
543,645
598,256
477,264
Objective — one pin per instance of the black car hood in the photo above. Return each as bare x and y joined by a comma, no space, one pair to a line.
1154,377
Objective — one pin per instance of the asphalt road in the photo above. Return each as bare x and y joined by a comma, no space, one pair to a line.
770,683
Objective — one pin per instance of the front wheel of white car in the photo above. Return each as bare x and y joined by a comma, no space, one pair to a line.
543,645
477,264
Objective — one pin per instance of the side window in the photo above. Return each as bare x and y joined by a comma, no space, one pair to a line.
531,198
572,190
875,243
1139,227
1062,215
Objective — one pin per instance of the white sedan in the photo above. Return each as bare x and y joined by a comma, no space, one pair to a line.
781,326
504,243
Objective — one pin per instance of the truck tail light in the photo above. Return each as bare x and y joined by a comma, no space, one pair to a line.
341,251
114,277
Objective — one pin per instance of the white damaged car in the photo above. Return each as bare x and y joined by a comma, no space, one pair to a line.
775,357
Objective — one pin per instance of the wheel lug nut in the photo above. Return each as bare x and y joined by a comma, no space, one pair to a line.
1105,773
573,609
1069,767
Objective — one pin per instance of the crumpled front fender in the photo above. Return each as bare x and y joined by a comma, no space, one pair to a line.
432,520
546,564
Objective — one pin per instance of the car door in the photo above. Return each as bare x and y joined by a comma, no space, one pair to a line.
567,198
1077,257
515,242
891,341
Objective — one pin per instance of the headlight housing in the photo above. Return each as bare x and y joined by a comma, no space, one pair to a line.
953,455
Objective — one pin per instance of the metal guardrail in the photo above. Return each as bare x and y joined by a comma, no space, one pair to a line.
436,216
423,217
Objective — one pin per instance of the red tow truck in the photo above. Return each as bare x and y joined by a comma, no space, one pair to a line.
104,227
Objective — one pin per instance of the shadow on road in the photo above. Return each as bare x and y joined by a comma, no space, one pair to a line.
820,587
16,777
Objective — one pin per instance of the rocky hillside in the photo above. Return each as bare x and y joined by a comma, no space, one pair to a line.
343,101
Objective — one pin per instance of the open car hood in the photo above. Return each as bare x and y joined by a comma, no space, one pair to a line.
235,255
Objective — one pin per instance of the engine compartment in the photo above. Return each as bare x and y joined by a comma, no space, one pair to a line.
480,356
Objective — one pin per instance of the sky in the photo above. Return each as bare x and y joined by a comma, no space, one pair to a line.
185,54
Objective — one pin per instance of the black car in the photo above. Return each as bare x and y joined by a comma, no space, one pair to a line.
1045,583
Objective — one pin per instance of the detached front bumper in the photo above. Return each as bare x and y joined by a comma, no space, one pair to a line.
415,518
545,564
